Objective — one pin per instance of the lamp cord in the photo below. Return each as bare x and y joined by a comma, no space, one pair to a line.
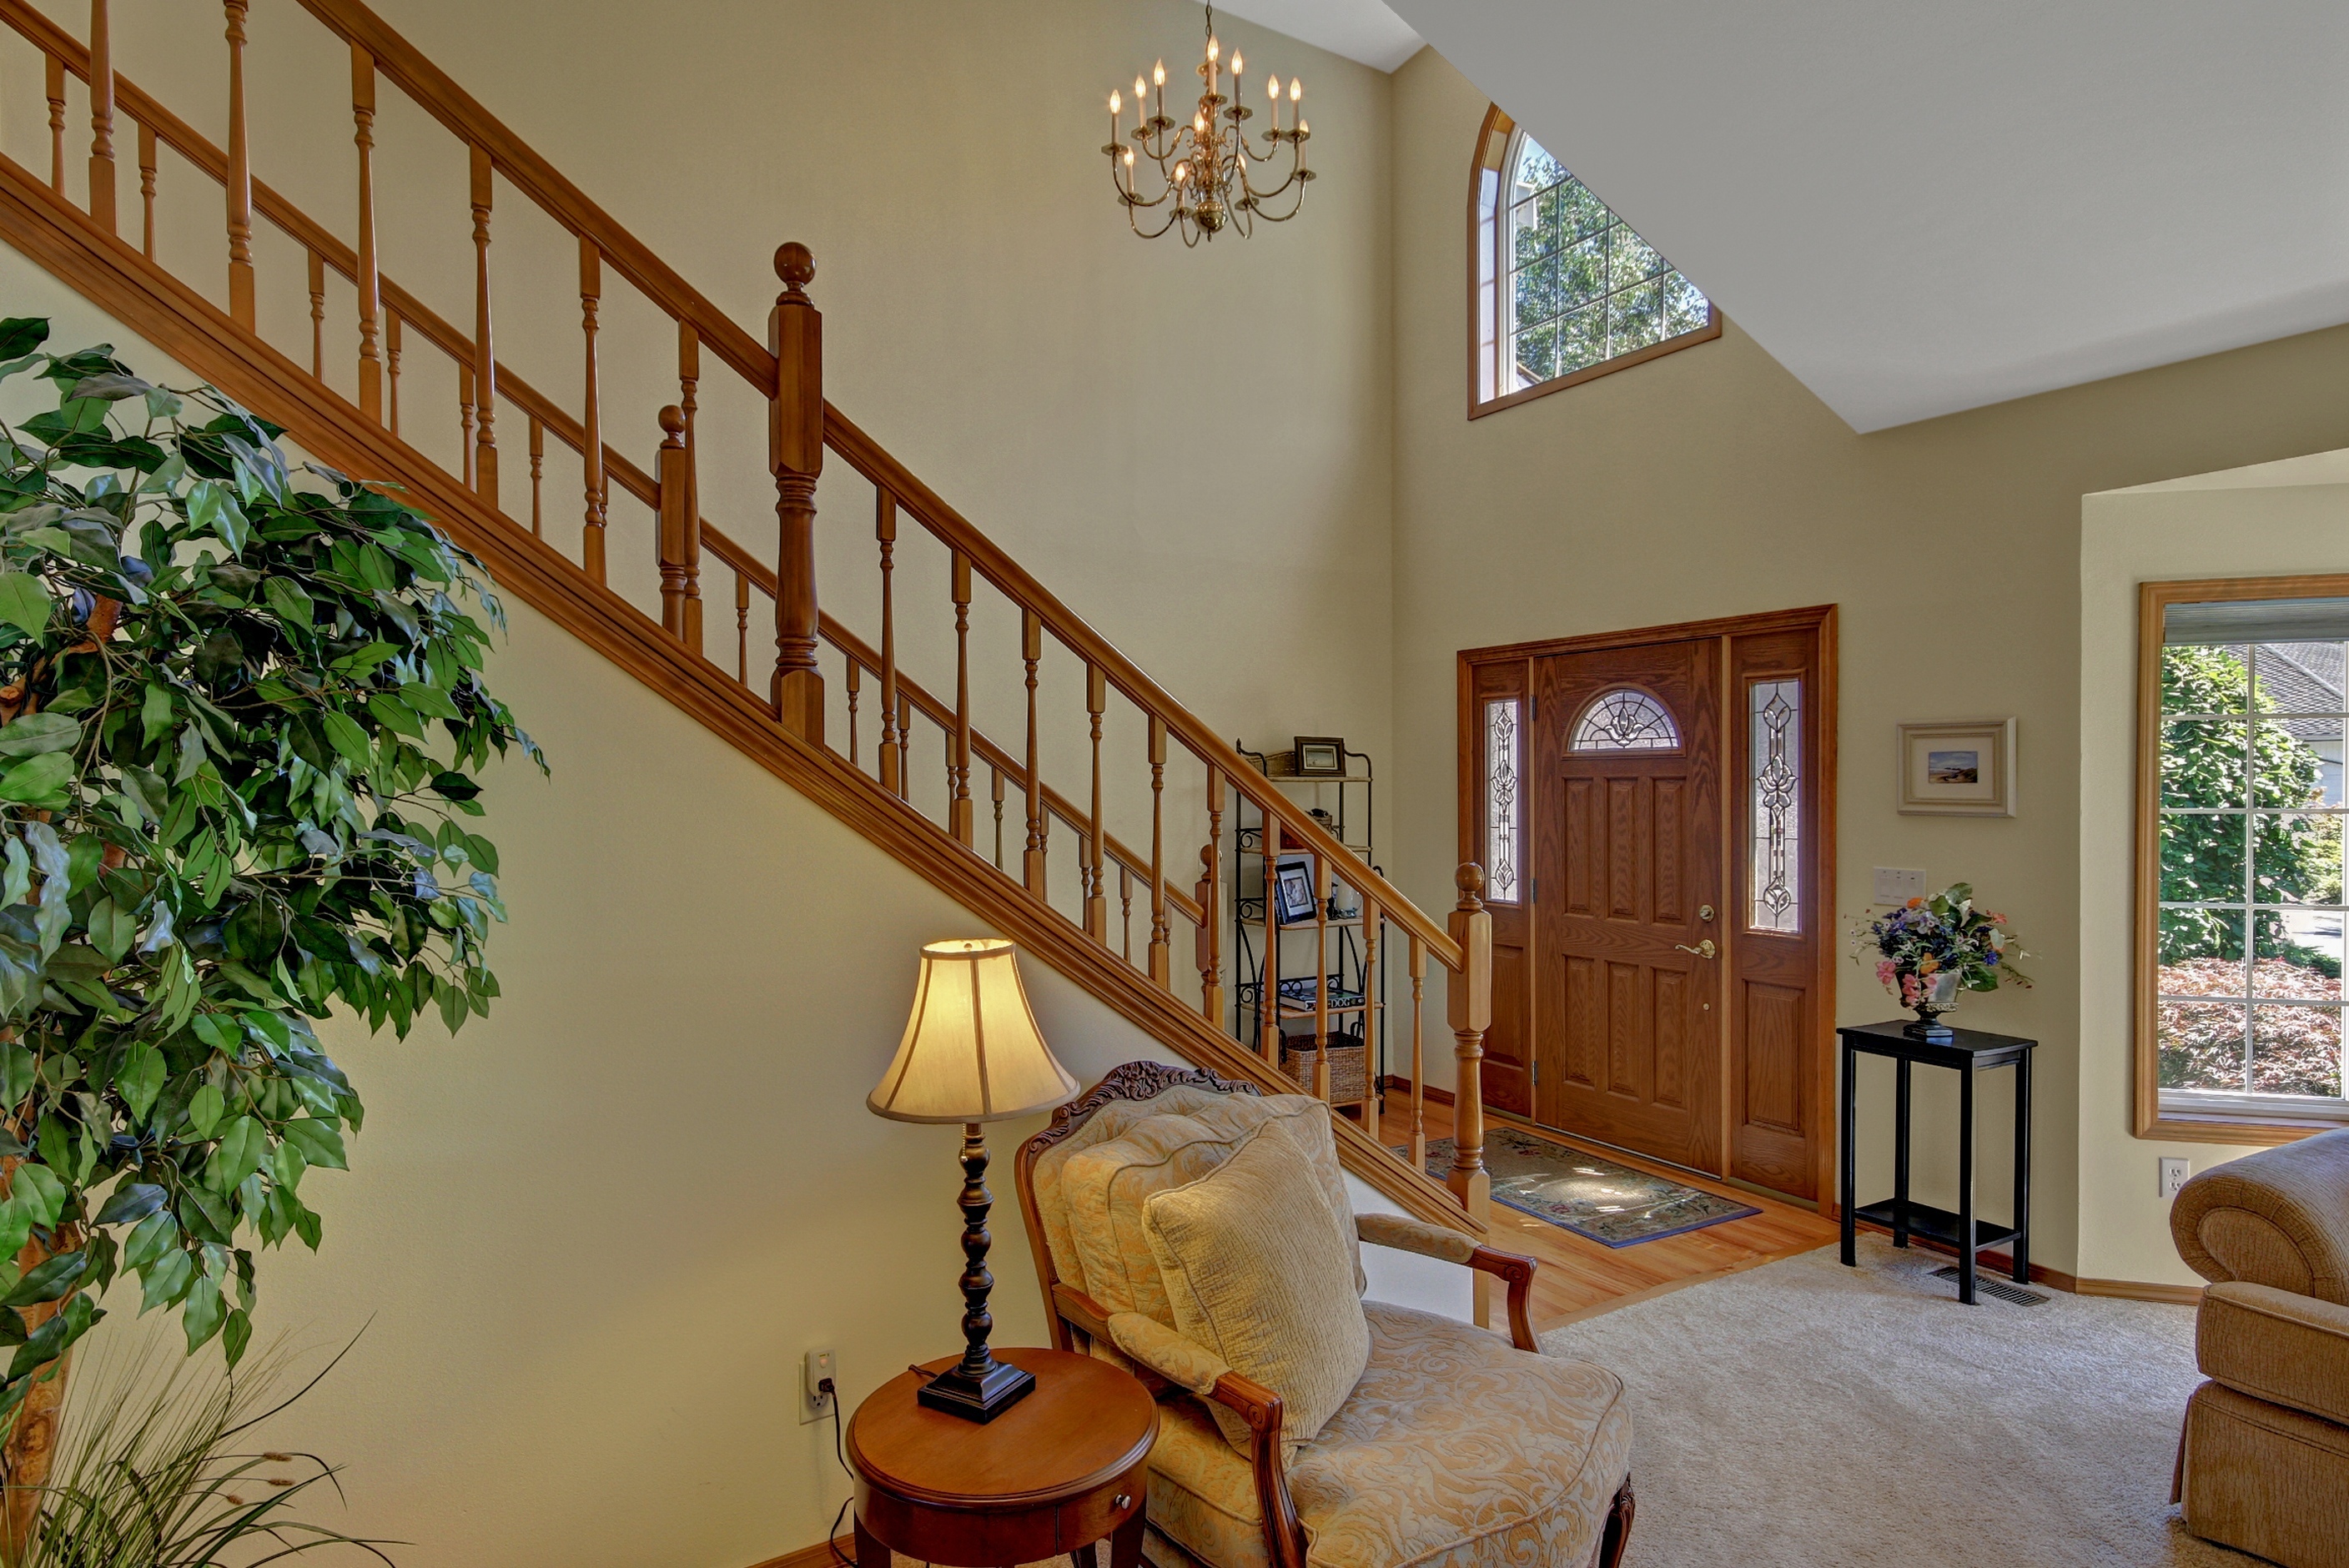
831,1536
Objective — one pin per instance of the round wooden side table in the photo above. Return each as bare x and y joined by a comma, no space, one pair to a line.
1060,1470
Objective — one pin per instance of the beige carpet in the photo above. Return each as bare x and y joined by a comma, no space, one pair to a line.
1804,1415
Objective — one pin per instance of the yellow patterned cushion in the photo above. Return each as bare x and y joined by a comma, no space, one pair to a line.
1090,1187
1256,1271
1452,1451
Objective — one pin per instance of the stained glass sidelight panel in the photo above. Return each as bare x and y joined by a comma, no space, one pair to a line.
1776,758
1503,744
1626,720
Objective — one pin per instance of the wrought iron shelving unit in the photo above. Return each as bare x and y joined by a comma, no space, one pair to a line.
1355,988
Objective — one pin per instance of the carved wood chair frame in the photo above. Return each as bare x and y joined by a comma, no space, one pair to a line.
1075,1314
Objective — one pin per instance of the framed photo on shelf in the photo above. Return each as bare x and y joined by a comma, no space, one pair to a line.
1958,768
1293,897
1320,756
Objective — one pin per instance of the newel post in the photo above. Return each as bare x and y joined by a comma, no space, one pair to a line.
1471,1008
795,451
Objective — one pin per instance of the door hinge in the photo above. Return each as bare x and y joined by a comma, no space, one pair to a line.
1535,1071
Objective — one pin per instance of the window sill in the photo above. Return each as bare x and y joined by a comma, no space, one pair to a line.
2242,1119
1705,333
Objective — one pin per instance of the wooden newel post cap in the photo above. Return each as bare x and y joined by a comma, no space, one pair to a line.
795,264
672,422
1470,880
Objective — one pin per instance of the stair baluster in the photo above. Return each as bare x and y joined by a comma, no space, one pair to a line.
317,315
537,477
591,302
1159,968
884,534
959,821
1096,892
54,86
485,361
370,281
147,187
101,117
240,175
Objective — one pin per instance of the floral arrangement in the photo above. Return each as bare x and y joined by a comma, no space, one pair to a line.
1925,943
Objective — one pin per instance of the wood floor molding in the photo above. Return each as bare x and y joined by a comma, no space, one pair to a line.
119,280
819,1555
2131,1290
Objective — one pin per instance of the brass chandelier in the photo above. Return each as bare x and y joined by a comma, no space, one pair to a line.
1206,166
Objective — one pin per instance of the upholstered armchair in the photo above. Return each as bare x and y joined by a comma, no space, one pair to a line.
2263,1462
1454,1448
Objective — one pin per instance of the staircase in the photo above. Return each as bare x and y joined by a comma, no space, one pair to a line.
829,710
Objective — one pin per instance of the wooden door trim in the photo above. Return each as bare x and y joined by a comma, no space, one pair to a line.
1821,621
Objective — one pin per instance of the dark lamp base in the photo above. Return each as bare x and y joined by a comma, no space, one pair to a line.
1932,1033
980,1398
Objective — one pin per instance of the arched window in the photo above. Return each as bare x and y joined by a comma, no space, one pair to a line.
1565,291
1625,720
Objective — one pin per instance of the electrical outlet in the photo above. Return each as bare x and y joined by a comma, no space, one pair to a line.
818,1366
1894,884
2175,1169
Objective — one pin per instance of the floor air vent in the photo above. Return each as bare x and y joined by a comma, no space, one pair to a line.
1997,1288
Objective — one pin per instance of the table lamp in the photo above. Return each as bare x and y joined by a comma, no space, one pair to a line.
972,1054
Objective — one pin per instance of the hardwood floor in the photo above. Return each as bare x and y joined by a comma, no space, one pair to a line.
1578,1277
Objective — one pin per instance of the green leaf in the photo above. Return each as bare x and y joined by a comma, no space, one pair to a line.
140,1080
134,1202
286,1166
150,1239
39,781
40,1190
16,1073
112,930
49,1281
217,1030
39,732
293,605
20,334
155,711
211,507
162,1280
236,1333
24,602
242,1146
349,741
321,1142
394,715
204,1108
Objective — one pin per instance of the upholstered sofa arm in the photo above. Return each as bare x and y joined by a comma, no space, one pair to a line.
2274,1346
1405,1235
1173,1356
2277,1217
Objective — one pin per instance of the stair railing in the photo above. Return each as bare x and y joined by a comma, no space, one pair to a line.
1130,822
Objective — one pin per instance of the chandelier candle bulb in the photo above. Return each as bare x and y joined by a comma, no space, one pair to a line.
1205,166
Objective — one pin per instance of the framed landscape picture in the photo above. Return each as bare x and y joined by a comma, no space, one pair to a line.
1959,769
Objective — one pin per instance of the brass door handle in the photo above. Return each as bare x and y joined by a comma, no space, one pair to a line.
1704,949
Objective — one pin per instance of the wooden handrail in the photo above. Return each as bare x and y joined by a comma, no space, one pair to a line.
868,457
785,724
453,107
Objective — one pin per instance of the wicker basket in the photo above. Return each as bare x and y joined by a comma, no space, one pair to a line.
1349,1084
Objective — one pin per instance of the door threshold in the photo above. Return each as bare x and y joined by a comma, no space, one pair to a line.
1530,1125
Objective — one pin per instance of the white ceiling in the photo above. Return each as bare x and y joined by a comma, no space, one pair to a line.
1361,30
1923,207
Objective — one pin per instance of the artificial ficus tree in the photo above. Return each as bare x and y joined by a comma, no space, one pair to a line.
241,714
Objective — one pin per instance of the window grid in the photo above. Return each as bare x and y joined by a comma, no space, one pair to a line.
1581,286
2249,1000
1625,720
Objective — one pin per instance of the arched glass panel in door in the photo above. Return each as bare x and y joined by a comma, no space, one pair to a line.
1625,720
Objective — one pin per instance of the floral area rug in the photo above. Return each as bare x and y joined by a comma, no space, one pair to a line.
1575,1190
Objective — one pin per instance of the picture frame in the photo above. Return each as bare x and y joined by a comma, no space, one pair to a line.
1320,756
1958,768
1293,897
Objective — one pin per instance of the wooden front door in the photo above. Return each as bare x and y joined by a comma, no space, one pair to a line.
1627,854
1655,812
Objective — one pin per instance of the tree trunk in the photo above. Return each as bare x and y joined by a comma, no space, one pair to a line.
30,1446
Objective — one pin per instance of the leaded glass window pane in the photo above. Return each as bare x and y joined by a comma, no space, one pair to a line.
1503,745
1776,761
2250,936
1626,720
1583,288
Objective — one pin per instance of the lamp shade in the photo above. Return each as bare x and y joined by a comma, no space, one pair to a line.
971,1051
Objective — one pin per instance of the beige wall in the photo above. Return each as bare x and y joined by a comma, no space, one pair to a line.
589,1239
1709,482
2257,522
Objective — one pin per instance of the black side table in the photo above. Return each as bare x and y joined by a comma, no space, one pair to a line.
1968,1052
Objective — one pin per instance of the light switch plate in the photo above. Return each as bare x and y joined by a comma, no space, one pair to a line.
2175,1169
1897,885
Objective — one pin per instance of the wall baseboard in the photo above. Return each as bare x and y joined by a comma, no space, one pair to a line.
2131,1290
819,1555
